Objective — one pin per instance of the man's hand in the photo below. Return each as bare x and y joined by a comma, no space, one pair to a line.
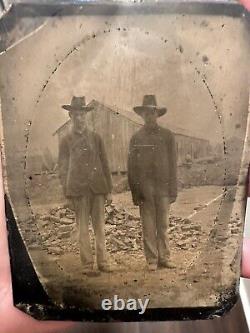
246,3
172,199
69,204
109,198
245,264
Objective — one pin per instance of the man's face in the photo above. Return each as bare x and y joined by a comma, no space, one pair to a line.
78,118
150,116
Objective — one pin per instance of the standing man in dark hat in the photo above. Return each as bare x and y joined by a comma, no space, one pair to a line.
86,180
153,181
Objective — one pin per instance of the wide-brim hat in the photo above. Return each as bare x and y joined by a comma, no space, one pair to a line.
77,103
149,103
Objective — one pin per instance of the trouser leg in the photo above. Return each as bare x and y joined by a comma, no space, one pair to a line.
82,211
162,224
76,230
147,212
98,222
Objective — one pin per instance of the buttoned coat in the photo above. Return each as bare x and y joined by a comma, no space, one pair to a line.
83,164
152,160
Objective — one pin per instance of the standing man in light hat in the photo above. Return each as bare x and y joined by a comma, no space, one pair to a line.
86,180
153,181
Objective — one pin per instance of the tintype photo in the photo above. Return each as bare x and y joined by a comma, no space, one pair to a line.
124,146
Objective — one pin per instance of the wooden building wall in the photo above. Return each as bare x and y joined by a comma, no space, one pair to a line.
189,146
116,131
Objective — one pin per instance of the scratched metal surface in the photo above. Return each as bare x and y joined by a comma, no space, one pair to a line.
17,41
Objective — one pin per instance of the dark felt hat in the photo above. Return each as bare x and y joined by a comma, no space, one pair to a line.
149,103
77,103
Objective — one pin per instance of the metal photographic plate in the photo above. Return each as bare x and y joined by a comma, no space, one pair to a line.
125,152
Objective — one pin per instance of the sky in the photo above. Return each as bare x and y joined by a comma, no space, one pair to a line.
119,67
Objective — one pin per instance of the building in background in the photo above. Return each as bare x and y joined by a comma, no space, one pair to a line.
116,127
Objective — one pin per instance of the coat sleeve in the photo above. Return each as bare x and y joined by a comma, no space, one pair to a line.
173,166
133,180
131,162
63,162
105,164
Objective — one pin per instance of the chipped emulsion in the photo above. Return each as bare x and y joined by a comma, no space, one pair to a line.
96,35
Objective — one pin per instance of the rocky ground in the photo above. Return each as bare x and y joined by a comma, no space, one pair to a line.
123,231
194,249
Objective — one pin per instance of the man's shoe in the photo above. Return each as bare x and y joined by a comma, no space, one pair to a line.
90,272
151,267
166,264
106,268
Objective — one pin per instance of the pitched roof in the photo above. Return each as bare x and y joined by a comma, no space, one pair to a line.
114,109
128,115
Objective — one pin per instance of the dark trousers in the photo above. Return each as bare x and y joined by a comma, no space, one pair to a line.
86,207
154,213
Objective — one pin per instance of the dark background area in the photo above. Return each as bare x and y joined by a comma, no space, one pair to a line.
234,322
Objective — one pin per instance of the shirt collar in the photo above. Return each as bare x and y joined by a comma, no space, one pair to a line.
78,132
152,129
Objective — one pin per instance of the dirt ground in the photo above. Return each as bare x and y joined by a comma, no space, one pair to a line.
195,281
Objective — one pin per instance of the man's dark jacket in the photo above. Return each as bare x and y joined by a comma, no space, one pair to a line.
152,158
83,164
